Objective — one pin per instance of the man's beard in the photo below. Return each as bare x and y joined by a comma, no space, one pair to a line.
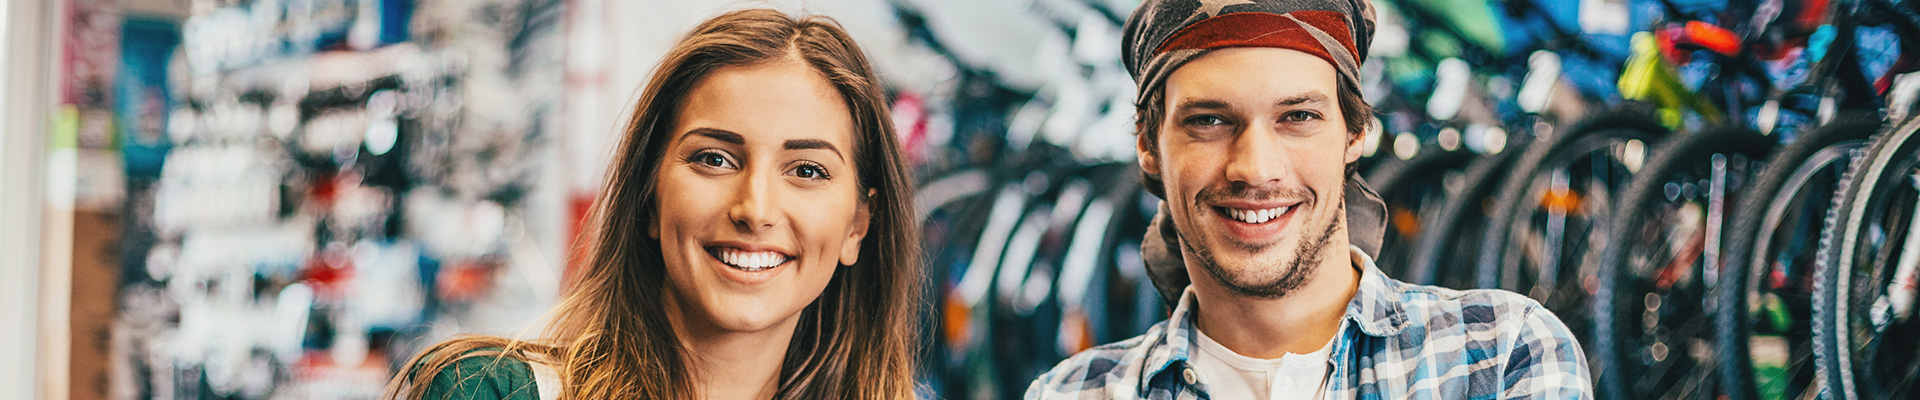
1248,281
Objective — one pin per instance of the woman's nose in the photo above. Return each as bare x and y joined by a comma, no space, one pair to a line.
752,209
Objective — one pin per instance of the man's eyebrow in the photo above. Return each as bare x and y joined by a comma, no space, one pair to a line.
720,135
1303,98
1204,104
813,144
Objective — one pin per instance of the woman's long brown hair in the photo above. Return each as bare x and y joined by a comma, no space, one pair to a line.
609,336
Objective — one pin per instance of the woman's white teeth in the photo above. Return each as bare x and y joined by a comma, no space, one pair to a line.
751,260
1256,216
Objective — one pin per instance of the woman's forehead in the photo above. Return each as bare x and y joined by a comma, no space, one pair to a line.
774,102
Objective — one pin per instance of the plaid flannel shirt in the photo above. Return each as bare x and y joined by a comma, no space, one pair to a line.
1397,341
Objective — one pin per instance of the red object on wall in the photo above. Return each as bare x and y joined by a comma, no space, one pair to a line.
579,209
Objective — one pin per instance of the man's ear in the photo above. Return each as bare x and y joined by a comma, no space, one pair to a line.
1149,158
1357,141
862,220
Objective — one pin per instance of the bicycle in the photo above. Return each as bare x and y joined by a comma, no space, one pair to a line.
1866,271
1764,331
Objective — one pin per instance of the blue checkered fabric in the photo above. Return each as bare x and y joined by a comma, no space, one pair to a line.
1397,341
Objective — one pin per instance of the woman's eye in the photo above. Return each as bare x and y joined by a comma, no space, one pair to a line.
712,159
809,171
1300,116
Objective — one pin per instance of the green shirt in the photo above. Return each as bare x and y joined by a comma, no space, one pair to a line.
484,377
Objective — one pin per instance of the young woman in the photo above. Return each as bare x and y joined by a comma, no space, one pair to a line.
754,240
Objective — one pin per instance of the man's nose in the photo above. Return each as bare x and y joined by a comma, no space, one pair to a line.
1255,158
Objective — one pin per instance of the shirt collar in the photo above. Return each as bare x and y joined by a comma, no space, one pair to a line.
1175,346
1376,308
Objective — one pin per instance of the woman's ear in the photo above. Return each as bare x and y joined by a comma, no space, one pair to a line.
857,232
653,224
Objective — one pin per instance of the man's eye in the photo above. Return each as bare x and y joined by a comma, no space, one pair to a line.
1206,120
1300,116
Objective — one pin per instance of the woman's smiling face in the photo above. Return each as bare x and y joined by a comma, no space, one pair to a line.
758,199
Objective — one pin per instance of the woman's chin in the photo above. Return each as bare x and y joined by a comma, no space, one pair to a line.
748,315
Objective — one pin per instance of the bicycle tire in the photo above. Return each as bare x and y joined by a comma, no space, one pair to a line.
1394,176
1562,288
1845,221
1504,263
1507,198
1393,173
1731,325
1437,241
1613,305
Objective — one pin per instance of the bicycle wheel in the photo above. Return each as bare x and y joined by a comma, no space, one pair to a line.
1636,122
1414,190
1864,327
1652,328
1442,253
1764,326
1561,212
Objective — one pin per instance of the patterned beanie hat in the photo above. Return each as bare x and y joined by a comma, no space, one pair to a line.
1162,35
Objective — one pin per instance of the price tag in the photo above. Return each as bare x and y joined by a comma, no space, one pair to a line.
1449,88
1605,17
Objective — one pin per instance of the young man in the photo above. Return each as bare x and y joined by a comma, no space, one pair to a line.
1250,119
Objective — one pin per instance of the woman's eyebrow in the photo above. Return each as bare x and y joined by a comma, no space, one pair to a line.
792,144
720,135
813,144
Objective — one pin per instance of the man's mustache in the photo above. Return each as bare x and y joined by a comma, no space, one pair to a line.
1218,193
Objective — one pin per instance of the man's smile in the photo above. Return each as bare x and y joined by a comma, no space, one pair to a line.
1253,216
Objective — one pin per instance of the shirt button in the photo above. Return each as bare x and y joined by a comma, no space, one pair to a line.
1192,378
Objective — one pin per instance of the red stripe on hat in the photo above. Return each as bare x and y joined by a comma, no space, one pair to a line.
1257,29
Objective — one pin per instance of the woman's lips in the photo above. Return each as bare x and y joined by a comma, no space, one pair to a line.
748,267
748,260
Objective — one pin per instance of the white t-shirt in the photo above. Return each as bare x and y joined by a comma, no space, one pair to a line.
1229,375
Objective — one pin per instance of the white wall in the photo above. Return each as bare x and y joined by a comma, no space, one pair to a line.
26,54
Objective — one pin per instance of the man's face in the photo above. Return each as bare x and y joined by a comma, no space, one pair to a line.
1253,151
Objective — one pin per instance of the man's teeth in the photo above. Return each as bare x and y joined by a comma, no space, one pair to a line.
1256,216
755,260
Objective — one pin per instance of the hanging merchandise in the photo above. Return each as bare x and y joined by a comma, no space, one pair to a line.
85,130
341,182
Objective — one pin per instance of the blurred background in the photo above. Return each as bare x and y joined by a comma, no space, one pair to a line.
241,199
